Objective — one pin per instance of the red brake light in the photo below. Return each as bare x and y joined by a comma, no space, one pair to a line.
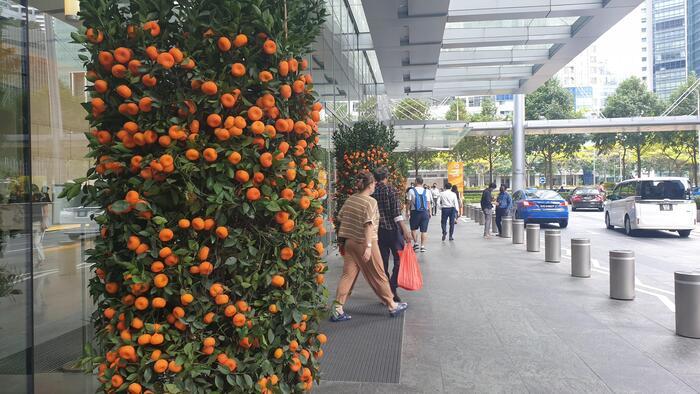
527,203
563,204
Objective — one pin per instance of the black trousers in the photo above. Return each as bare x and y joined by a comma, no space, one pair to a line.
390,242
500,213
448,214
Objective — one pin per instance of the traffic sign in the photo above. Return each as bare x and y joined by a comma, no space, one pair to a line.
543,180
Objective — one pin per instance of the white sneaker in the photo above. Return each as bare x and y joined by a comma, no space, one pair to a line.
422,248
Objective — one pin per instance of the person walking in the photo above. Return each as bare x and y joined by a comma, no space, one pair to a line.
449,204
487,208
435,192
359,223
393,230
504,204
419,203
460,209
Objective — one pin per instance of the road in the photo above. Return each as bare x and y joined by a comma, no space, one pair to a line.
658,253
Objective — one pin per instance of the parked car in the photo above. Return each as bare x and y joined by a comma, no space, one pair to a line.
586,197
695,192
541,206
661,203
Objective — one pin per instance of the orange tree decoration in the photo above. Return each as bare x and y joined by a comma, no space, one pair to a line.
364,147
209,275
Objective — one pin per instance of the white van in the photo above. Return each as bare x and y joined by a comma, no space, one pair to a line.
660,203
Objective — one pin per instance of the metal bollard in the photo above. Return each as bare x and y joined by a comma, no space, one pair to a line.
471,212
494,228
687,286
481,217
622,274
518,231
581,257
552,246
507,227
533,237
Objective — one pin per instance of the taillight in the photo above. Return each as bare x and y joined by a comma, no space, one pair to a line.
563,204
527,203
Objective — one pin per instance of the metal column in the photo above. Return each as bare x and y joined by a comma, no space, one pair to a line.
518,181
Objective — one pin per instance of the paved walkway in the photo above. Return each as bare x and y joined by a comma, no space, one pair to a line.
495,318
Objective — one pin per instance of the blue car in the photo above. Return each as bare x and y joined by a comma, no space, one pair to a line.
541,206
695,192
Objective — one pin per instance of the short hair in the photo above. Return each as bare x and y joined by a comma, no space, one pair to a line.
448,185
492,185
419,180
381,173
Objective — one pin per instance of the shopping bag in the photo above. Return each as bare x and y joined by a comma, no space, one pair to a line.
410,277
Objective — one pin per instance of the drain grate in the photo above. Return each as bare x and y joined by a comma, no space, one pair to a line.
366,348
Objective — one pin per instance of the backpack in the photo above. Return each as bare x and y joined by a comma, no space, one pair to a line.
421,203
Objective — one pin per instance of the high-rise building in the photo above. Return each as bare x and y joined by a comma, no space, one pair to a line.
665,45
694,36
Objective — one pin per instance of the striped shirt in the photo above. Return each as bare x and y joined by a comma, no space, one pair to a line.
357,211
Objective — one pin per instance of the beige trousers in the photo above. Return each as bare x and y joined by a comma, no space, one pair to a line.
372,270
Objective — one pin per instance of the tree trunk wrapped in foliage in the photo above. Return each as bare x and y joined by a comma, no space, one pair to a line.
365,146
209,276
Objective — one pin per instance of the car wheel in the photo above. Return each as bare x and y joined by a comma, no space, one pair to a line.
607,222
563,223
628,227
684,233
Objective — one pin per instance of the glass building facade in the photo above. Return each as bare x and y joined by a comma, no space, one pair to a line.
45,309
694,36
669,60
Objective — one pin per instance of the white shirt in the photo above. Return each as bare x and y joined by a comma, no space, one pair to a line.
448,199
435,192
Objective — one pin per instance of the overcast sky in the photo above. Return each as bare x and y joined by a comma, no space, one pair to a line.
621,46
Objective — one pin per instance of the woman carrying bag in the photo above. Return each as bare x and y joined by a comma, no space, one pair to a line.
359,223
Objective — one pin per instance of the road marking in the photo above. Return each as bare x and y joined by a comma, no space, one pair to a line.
667,302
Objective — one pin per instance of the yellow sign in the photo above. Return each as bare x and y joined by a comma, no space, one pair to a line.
455,174
323,178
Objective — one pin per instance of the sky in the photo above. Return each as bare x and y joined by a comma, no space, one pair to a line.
621,46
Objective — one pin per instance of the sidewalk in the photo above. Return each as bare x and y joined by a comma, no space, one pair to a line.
495,318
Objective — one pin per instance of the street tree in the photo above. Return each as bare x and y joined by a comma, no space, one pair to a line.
551,101
683,143
458,110
411,109
632,99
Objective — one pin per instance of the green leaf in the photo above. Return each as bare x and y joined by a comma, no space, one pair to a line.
120,206
159,220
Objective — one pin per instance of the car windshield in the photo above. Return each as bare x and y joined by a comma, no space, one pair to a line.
587,191
659,190
543,195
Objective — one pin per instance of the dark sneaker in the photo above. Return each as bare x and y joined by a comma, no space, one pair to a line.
400,307
338,317
397,298
443,237
422,248
415,247
452,239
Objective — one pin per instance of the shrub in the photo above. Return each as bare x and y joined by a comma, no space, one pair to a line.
208,271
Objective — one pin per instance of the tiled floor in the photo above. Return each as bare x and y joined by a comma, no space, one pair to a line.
495,318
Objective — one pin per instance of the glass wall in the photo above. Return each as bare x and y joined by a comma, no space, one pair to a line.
44,305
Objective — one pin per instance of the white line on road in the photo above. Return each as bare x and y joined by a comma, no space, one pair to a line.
667,302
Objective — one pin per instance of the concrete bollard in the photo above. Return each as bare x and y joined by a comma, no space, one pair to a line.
687,286
622,274
532,234
494,228
552,246
581,257
507,227
518,231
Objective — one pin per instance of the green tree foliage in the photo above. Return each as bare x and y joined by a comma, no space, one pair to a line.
683,142
551,101
368,108
458,110
411,109
631,99
487,148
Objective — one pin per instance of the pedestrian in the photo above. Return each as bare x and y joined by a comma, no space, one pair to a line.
393,230
487,208
419,203
601,188
449,204
504,204
435,192
359,223
460,210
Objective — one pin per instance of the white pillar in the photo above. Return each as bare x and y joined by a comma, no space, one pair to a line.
518,181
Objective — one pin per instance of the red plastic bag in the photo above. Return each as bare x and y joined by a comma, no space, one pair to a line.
410,277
